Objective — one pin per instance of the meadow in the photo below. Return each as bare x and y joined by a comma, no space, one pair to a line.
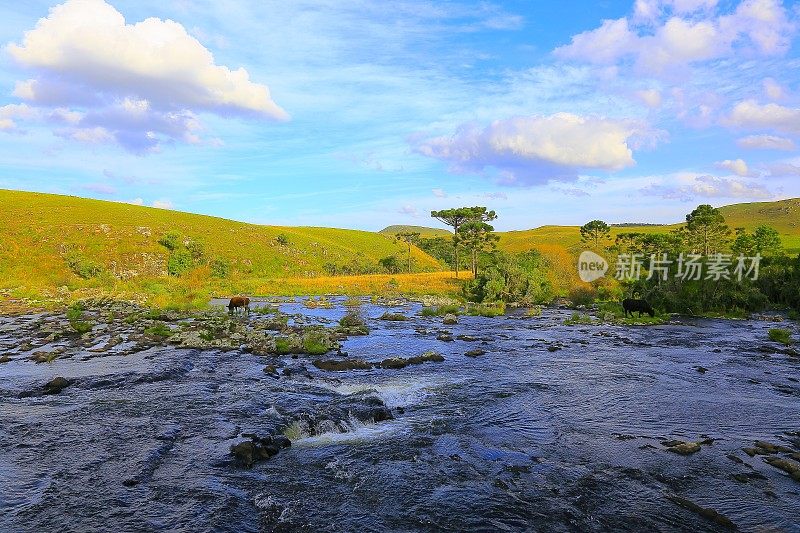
56,248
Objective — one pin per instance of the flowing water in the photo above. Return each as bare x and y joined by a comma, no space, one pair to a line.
521,438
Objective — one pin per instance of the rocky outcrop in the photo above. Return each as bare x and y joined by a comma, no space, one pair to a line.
249,452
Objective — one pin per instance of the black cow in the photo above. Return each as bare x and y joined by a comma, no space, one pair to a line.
631,306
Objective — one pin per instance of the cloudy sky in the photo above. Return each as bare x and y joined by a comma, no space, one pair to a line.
357,113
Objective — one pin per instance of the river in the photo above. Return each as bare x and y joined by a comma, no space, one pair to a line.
554,428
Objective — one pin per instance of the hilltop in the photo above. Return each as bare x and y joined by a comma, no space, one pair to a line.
53,241
423,231
783,215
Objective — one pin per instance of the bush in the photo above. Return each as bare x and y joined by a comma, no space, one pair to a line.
583,295
282,239
391,264
197,251
82,267
441,310
393,317
170,241
509,278
74,314
781,335
159,330
487,310
220,268
351,319
316,343
179,262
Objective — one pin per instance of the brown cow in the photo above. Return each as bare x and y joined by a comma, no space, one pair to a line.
239,301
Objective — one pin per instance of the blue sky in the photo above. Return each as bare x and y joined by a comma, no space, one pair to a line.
363,114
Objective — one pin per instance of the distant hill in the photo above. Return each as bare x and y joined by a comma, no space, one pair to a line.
783,215
41,234
424,232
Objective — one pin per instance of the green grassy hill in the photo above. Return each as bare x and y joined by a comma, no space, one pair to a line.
424,232
48,240
783,215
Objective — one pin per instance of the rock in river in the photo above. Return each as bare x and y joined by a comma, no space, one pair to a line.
56,385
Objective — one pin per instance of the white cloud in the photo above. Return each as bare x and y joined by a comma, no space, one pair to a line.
774,90
687,186
534,149
439,193
650,97
86,56
408,210
783,169
737,166
136,201
751,114
605,45
678,33
12,112
163,204
766,142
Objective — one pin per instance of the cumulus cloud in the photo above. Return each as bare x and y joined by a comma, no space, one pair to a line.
766,142
661,36
140,83
163,204
688,186
533,149
439,193
408,210
650,97
10,113
737,166
751,114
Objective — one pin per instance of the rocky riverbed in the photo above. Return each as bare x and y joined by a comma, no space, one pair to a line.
311,416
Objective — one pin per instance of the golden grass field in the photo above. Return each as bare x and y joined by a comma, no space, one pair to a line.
783,215
41,232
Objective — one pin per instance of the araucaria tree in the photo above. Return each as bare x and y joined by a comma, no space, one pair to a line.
457,217
410,238
595,232
705,230
476,236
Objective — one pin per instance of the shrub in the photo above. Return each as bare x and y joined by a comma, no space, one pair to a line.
351,319
158,330
391,264
179,262
170,240
220,268
282,345
583,295
74,314
487,310
197,251
393,317
441,310
316,342
781,335
82,267
282,239
534,311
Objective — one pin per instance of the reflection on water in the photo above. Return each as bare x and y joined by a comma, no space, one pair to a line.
519,438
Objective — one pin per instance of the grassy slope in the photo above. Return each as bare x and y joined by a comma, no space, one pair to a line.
37,229
424,232
783,215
